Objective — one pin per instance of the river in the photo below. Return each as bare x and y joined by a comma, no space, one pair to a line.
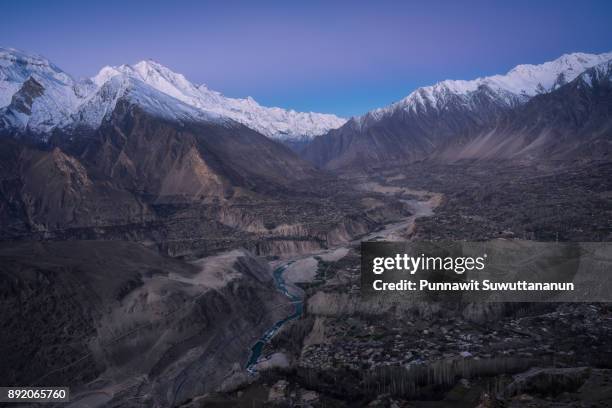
298,304
420,208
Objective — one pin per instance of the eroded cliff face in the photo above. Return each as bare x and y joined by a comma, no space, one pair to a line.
47,190
128,323
298,239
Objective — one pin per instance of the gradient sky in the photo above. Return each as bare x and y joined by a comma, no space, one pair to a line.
339,57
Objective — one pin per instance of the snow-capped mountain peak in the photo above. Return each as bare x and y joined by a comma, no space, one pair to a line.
597,74
17,66
102,103
273,122
516,86
152,74
35,95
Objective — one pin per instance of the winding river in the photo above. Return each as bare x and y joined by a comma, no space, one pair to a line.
420,208
298,304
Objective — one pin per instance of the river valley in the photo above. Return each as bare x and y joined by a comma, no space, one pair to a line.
421,204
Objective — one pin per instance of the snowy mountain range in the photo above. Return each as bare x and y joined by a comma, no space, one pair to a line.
37,97
451,113
515,87
272,122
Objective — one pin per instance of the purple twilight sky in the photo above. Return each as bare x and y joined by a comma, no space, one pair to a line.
339,57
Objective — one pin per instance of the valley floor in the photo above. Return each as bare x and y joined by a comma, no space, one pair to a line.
138,328
345,351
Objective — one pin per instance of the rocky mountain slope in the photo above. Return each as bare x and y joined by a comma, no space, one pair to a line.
131,161
573,121
183,187
447,113
121,323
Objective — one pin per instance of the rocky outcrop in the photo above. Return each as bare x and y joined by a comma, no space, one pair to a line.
46,190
